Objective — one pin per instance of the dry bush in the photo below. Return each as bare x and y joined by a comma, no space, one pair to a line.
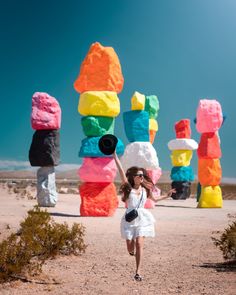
227,242
38,239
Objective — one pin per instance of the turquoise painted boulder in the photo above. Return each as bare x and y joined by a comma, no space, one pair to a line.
136,125
89,148
97,126
152,106
182,173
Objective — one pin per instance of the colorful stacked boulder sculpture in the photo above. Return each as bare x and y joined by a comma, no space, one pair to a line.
99,81
45,147
181,154
209,120
140,128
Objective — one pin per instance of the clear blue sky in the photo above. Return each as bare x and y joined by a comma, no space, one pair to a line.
181,51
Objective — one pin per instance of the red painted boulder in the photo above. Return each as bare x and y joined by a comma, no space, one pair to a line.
46,112
98,199
209,146
183,129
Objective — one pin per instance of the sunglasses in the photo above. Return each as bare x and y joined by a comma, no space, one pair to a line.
139,175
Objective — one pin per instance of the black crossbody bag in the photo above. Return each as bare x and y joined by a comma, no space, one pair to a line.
131,215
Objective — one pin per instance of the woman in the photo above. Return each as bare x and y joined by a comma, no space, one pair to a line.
136,187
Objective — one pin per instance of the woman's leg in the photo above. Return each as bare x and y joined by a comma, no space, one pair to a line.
139,252
130,246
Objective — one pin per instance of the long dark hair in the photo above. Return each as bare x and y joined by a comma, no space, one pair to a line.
126,188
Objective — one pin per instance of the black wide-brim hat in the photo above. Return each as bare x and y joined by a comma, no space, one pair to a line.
107,144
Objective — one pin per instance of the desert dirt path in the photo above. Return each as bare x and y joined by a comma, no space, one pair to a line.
181,259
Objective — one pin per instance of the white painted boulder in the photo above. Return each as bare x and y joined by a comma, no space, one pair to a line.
182,144
141,154
46,187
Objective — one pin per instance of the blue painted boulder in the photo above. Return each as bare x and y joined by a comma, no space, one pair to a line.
89,148
182,173
136,125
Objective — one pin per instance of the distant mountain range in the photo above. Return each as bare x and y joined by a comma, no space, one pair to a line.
68,174
23,170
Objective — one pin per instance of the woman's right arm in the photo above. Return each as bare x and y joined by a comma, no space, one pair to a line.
120,168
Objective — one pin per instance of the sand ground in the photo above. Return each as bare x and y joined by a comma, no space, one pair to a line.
181,259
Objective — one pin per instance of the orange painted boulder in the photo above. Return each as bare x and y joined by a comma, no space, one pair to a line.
98,199
209,146
182,129
100,70
152,135
209,172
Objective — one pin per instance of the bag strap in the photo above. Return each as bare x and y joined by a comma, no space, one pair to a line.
140,200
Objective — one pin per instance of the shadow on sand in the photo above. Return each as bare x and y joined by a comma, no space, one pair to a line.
175,206
221,266
63,214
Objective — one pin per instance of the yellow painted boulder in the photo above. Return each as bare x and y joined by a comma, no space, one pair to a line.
211,197
181,157
100,70
153,125
138,101
99,103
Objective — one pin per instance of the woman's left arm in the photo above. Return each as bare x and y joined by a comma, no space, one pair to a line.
156,199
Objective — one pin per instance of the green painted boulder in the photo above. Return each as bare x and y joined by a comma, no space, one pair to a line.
97,126
152,106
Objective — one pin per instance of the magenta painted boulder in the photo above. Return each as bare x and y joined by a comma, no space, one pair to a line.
154,174
46,112
97,170
209,116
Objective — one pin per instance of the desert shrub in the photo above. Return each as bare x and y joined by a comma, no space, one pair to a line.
38,239
227,242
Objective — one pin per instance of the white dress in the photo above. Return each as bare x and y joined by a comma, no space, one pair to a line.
143,225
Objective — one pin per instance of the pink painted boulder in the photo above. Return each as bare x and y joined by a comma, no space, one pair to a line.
209,116
154,174
97,170
46,112
149,204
